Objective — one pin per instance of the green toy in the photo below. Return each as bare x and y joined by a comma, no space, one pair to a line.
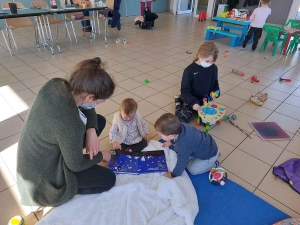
213,28
146,81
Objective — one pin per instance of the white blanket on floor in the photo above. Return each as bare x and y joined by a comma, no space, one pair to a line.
150,199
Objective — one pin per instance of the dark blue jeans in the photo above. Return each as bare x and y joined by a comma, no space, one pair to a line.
86,23
96,179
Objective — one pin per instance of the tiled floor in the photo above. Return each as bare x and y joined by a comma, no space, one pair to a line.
160,56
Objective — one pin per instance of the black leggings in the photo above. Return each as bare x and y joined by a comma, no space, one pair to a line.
138,147
97,178
257,35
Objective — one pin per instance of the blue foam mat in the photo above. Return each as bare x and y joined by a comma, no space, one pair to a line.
231,204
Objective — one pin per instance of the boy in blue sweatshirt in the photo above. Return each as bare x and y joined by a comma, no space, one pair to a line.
199,79
196,150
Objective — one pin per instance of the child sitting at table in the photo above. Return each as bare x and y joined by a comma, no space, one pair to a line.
258,18
129,131
195,149
199,79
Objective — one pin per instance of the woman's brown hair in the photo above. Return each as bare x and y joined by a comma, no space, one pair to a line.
207,49
89,77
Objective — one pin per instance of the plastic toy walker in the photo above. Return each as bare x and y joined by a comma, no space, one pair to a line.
217,176
210,113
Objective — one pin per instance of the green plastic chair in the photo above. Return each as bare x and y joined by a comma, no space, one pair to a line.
273,35
294,23
293,46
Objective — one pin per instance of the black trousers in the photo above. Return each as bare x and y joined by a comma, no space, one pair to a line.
257,35
184,112
138,147
97,178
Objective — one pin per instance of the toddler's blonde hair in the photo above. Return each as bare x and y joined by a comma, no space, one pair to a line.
207,49
128,106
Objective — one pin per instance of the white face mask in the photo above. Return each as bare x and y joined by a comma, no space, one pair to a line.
205,64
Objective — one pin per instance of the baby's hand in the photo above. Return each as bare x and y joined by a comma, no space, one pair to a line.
168,175
116,145
147,137
166,144
196,107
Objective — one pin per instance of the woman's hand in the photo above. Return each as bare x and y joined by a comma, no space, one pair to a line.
147,137
196,107
168,175
166,144
116,145
92,142
106,156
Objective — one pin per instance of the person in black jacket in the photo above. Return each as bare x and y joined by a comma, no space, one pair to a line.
198,81
251,3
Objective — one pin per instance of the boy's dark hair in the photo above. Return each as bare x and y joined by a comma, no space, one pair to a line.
168,124
128,106
89,77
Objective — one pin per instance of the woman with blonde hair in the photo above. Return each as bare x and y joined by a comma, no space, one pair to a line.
199,79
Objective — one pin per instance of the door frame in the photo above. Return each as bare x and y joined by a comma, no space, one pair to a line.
186,11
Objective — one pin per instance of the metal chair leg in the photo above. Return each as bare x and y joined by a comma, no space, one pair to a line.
7,34
6,42
67,32
73,30
12,36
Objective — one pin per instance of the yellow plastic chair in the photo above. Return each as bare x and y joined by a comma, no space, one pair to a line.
18,23
51,18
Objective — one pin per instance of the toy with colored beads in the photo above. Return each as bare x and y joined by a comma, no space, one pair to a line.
217,176
211,112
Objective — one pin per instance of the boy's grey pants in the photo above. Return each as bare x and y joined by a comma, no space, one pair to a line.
198,166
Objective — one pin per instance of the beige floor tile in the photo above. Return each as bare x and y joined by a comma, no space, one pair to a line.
36,88
289,110
275,94
119,98
154,116
254,87
131,72
241,93
129,84
30,219
293,100
119,77
172,91
271,104
284,122
145,68
134,63
224,148
294,144
8,80
280,190
158,63
12,207
172,79
105,144
282,87
170,108
239,181
35,81
7,111
143,91
159,85
224,87
275,71
10,127
47,70
268,75
160,99
262,150
152,131
255,111
228,133
27,75
231,79
276,204
120,67
107,107
6,178
18,96
142,78
264,82
230,101
246,166
146,108
296,92
22,106
170,68
243,121
159,73
105,131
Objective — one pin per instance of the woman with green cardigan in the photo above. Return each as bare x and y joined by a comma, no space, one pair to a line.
51,166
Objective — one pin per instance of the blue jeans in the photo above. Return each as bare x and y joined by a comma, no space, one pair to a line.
86,23
96,179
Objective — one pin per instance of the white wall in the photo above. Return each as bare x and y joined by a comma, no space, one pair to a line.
294,9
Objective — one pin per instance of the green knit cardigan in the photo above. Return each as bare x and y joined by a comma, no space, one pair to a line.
50,147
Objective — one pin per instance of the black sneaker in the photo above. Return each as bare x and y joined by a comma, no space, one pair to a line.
217,163
178,99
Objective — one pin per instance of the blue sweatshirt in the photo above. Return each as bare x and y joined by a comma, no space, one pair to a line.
198,81
195,143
